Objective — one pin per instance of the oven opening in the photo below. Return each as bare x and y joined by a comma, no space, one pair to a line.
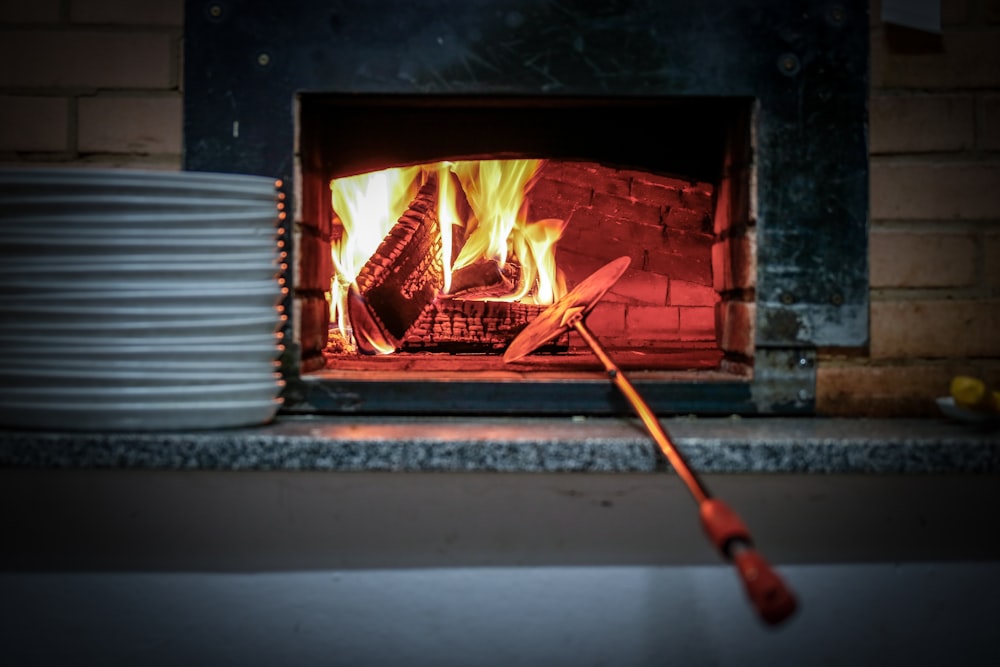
430,230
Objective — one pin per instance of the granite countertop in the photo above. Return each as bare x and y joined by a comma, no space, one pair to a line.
507,444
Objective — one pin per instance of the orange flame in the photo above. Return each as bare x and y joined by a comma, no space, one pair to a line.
368,205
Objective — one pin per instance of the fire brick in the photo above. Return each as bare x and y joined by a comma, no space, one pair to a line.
314,318
734,206
683,242
657,194
315,263
734,326
697,196
697,323
692,268
607,319
642,287
614,184
33,123
683,293
734,262
678,217
557,199
644,321
623,208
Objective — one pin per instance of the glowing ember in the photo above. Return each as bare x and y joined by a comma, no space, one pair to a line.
496,227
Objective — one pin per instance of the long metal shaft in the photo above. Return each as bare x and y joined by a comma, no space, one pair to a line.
645,413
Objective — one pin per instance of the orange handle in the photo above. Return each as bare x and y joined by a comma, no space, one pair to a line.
768,593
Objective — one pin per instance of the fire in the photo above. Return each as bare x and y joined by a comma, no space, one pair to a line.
368,205
496,227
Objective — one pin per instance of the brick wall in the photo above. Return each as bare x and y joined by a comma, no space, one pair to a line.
665,226
93,82
98,82
935,217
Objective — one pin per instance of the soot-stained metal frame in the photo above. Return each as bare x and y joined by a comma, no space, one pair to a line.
804,65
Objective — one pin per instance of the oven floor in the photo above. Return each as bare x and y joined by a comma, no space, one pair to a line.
687,358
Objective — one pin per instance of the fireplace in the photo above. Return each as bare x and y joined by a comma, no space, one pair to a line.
722,149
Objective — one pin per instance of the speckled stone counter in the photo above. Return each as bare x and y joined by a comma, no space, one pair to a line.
711,445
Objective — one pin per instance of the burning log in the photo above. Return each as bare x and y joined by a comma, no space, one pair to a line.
462,326
485,278
401,279
396,304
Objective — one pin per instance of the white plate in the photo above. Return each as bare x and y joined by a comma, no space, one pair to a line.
259,324
148,228
69,313
75,205
15,377
65,288
148,366
79,340
155,416
20,263
948,407
109,394
204,272
72,180
122,245
190,353
173,298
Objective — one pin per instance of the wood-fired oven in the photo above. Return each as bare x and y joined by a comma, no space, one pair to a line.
721,146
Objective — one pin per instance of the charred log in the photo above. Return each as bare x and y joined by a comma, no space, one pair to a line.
401,279
462,326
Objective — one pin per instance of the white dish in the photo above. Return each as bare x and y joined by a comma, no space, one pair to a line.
18,204
192,312
66,181
183,394
15,377
204,272
149,366
246,354
155,416
146,228
111,245
79,340
65,288
20,263
131,327
174,298
948,407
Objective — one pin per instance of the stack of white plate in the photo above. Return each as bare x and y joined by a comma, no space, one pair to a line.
137,300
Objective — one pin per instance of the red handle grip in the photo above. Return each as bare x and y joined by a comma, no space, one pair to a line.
768,593
772,598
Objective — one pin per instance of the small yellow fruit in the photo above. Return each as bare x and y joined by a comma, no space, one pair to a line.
969,392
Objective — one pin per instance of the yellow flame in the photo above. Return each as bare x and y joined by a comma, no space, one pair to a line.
447,218
368,205
495,190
